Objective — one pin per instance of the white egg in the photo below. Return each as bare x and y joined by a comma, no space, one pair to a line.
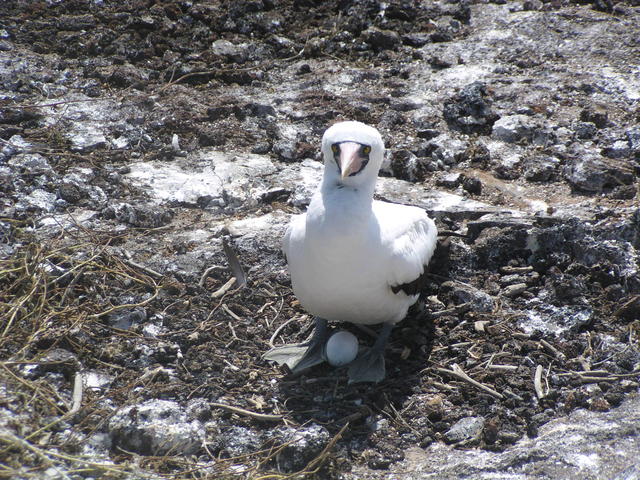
342,348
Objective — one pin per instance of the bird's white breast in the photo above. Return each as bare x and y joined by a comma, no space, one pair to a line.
342,266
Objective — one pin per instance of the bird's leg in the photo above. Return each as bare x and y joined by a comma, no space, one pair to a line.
369,366
305,355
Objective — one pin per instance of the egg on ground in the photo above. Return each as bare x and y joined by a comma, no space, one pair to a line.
341,348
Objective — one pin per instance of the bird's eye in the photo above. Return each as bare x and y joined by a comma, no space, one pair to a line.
335,148
366,149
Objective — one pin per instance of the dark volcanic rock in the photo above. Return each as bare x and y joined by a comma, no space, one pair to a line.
540,168
302,446
406,166
596,251
470,110
592,173
585,130
472,184
381,39
598,116
143,216
460,294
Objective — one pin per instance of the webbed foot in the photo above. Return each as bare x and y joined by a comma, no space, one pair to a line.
369,365
302,356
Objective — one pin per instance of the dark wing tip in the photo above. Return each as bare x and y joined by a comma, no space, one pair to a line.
413,287
437,261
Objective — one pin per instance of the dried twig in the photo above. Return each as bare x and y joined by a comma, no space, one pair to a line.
551,349
224,289
230,313
510,270
248,413
207,272
537,383
503,368
279,329
458,309
591,376
461,375
77,394
139,266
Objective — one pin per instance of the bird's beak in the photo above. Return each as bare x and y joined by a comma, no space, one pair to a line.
350,159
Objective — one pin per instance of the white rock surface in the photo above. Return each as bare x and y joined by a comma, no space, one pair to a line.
156,427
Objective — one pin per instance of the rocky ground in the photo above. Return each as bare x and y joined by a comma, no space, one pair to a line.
151,154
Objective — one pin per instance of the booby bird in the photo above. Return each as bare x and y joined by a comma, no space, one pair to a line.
352,258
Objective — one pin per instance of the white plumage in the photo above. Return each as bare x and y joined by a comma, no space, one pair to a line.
347,251
350,256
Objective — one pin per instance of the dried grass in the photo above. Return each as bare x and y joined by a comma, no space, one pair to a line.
51,294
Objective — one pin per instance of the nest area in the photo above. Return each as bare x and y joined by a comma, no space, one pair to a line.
72,295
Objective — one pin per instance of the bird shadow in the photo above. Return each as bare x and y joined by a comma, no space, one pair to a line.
322,394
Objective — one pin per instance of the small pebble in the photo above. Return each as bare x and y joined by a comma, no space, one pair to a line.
514,290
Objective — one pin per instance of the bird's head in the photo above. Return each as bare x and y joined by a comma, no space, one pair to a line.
353,153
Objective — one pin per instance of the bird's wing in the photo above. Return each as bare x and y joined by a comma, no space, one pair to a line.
295,227
285,241
411,237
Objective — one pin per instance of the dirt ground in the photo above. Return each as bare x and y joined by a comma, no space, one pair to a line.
127,293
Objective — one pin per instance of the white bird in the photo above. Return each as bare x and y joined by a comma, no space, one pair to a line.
351,258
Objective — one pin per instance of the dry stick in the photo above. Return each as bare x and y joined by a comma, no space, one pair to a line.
77,394
503,368
248,413
595,373
224,289
596,379
230,313
460,374
127,305
557,353
278,312
207,272
279,329
364,411
603,375
537,383
508,269
463,308
230,365
139,266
